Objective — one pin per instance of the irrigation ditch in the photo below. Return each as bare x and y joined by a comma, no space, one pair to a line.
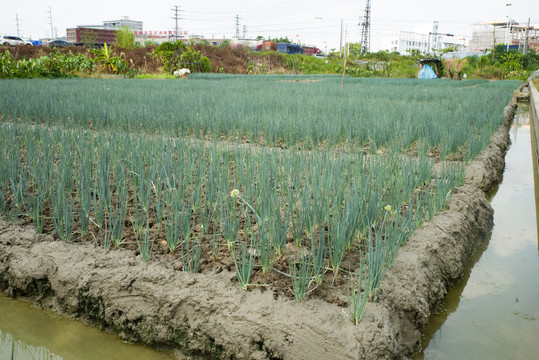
501,277
207,315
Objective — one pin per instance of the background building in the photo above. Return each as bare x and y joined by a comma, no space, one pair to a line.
124,21
98,35
485,35
406,41
523,36
488,34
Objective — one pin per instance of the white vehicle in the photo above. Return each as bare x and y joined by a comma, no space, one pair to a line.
13,41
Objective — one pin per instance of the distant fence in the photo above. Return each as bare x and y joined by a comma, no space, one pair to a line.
463,54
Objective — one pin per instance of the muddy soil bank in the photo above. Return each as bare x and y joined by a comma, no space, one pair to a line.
228,59
207,315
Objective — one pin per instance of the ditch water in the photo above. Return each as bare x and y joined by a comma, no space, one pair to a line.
27,333
493,312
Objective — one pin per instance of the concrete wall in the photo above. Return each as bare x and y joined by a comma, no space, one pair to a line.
534,118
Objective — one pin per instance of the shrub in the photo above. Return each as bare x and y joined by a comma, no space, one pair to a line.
178,55
224,43
109,62
489,72
126,38
55,65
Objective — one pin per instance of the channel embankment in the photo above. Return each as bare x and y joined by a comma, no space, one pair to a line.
534,118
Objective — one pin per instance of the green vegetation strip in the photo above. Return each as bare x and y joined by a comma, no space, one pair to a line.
291,112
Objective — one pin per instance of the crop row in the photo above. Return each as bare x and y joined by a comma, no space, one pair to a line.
259,206
407,116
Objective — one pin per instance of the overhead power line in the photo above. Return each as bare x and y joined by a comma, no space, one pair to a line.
176,18
17,23
50,22
237,26
366,29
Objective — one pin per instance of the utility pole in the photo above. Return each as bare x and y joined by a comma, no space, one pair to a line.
525,50
245,31
344,65
340,44
17,22
366,29
50,22
493,40
508,29
316,19
437,35
434,31
176,18
510,38
237,26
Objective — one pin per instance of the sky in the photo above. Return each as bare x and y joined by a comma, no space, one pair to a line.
314,22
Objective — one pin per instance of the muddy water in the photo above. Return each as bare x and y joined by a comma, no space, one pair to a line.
493,312
32,334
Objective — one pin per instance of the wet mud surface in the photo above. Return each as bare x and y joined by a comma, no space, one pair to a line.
208,315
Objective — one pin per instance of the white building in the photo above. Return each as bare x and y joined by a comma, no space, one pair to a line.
249,43
124,21
406,41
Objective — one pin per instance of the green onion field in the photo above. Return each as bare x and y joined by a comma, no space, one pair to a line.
289,177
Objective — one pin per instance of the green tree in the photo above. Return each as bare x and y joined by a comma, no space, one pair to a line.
281,40
109,62
448,49
175,55
484,61
382,55
125,38
530,60
511,61
224,43
355,49
88,37
414,52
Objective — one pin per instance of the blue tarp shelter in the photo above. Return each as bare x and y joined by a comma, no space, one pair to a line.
428,68
426,73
